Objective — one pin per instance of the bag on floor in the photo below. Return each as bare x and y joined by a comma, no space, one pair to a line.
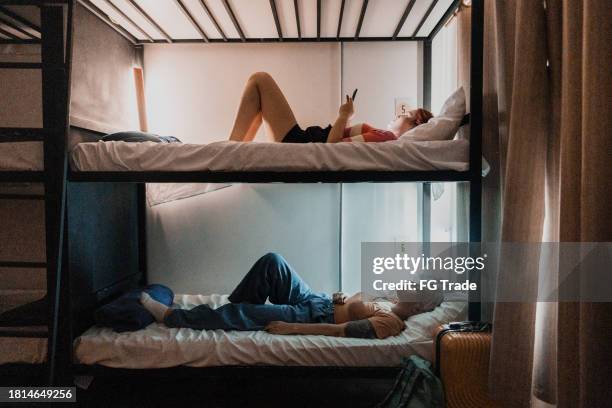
462,362
416,387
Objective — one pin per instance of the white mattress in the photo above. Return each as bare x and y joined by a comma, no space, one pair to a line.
158,346
235,156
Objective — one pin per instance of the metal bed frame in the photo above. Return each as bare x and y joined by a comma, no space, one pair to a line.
56,47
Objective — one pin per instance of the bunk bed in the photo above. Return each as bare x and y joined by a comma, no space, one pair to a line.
74,190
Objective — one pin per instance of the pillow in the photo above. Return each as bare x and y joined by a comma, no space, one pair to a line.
137,137
126,313
445,125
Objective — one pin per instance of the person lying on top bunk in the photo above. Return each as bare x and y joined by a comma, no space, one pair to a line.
294,308
262,99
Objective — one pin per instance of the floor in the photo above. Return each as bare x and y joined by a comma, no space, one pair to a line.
241,393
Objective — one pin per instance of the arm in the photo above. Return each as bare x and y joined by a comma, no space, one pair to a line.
324,329
362,329
345,113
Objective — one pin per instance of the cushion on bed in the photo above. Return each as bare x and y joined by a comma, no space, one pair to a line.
126,313
444,126
138,137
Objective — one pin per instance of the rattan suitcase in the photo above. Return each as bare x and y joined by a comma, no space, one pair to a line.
462,362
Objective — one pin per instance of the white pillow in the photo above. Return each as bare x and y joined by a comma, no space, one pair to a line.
445,125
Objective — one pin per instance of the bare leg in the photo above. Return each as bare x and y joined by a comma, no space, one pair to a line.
261,100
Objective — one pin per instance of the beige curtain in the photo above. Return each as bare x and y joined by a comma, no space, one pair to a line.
546,134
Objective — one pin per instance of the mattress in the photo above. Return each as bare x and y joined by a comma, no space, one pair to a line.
22,350
157,346
400,155
21,156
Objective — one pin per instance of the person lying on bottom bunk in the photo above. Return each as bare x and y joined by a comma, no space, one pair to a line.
294,308
263,100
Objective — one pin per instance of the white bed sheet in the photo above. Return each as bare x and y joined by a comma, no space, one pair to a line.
158,346
400,155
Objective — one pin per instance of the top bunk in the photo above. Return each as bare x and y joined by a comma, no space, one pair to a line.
141,22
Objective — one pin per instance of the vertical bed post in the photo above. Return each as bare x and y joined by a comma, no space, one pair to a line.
142,232
55,120
476,97
425,193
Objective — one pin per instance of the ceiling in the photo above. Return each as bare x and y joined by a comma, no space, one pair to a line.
148,21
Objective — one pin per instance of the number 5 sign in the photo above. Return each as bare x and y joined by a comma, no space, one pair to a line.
403,106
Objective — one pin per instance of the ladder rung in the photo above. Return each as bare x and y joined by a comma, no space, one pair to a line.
22,264
27,332
31,65
21,135
9,196
20,41
21,65
11,176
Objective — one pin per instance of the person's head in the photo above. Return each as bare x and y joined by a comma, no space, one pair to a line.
412,119
411,303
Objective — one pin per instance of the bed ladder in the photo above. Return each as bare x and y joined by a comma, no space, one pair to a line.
48,317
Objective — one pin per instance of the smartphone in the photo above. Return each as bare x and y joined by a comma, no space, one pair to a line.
355,94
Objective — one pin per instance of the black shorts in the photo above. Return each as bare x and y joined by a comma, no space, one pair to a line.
312,134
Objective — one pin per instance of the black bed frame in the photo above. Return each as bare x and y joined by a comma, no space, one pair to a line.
72,198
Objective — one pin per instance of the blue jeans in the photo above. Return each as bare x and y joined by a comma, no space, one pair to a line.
271,277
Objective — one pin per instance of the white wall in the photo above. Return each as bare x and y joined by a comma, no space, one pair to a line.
383,71
207,243
193,91
377,212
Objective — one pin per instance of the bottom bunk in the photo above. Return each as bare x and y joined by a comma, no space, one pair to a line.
158,346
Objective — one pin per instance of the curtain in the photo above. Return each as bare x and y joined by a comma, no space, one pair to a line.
546,134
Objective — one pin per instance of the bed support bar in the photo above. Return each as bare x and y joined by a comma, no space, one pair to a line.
476,99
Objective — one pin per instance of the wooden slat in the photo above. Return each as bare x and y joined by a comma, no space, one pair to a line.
403,19
128,19
102,16
21,176
147,17
192,20
213,19
364,8
25,332
279,30
21,41
8,34
9,196
425,16
232,16
340,18
447,14
22,264
15,27
20,65
318,19
296,8
21,135
10,13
